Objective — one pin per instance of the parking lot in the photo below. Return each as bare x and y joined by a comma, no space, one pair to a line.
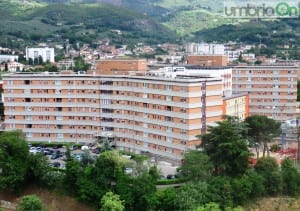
56,154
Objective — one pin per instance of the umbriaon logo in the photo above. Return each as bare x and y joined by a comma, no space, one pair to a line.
261,9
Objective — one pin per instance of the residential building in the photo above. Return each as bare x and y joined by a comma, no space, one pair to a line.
12,66
205,48
47,54
154,113
236,105
272,89
8,58
207,60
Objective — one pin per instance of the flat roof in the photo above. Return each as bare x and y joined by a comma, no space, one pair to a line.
180,78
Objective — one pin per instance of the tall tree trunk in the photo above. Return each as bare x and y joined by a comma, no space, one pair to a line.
257,146
264,149
268,150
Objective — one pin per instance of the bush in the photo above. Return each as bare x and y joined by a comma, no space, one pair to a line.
30,202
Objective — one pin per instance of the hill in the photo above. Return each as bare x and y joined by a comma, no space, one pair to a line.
80,22
270,33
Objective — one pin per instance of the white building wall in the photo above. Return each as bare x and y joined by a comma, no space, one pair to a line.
46,53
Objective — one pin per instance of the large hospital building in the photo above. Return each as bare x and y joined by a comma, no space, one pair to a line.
157,112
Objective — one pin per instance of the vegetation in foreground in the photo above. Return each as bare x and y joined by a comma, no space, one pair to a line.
218,177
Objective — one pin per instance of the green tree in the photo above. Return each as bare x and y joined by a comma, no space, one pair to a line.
226,145
111,202
72,175
196,166
290,177
221,191
30,202
212,206
14,155
192,195
268,168
165,199
80,64
262,130
38,169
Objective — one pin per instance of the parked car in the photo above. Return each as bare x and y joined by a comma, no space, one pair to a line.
56,164
54,156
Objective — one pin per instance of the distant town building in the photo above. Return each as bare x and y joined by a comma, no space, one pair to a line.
207,60
66,64
8,58
47,54
205,48
121,66
12,67
272,89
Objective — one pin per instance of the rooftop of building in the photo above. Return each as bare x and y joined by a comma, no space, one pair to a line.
190,66
235,95
157,76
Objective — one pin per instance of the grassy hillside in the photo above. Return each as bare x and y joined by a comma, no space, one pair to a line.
81,22
270,33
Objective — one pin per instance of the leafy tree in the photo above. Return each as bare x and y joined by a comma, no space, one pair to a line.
221,191
38,169
72,174
14,155
192,195
212,206
107,168
258,183
30,202
143,189
242,189
111,202
80,64
196,166
268,168
86,158
262,129
227,148
290,177
165,199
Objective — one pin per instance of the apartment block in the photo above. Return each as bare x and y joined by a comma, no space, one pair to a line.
47,54
236,105
150,113
272,89
205,48
207,60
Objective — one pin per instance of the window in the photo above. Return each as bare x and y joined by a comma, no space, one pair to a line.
60,118
168,118
169,98
27,82
169,139
145,85
57,82
28,135
168,87
60,135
